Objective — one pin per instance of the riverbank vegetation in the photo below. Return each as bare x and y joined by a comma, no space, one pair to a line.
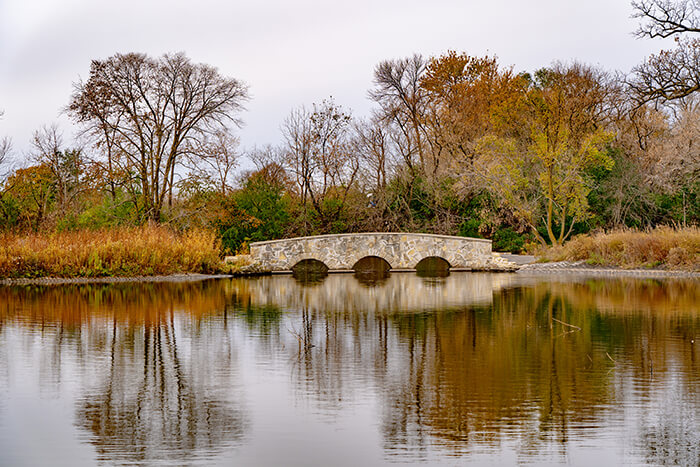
659,248
119,251
455,144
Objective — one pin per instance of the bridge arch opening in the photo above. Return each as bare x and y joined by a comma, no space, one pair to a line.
433,266
372,270
371,263
310,271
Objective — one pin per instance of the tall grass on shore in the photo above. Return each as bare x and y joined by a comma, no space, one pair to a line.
135,251
662,248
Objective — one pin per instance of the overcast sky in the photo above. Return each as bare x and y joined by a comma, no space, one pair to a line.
290,52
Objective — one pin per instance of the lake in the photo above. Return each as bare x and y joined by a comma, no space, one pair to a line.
367,369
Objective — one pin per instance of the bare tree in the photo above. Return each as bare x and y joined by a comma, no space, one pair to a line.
5,150
213,160
148,114
372,143
403,102
319,157
671,74
66,165
664,18
266,156
679,166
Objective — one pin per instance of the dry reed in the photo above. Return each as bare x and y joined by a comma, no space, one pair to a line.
135,251
662,248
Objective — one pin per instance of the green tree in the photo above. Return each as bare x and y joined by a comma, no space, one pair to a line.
263,197
258,211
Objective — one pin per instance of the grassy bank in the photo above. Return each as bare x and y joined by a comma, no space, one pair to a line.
136,251
662,248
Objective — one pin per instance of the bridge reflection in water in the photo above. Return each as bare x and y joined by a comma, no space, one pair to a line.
372,291
469,368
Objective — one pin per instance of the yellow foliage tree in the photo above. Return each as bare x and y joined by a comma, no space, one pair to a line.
537,163
34,189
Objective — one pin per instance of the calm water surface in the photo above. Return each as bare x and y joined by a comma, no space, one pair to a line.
352,370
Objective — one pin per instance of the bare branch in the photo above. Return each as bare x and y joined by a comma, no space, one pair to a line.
670,75
148,115
664,18
5,150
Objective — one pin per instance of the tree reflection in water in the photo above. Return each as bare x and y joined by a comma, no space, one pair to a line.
477,377
164,408
474,363
152,401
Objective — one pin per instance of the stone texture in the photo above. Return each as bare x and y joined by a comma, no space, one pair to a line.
400,250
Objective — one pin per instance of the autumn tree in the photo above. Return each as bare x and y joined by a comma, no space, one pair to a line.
544,176
34,191
465,95
416,193
148,114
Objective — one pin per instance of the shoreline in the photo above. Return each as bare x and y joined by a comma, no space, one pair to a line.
184,277
581,268
531,269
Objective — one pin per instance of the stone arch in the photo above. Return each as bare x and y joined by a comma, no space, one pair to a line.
310,272
433,265
309,262
379,251
368,259
297,257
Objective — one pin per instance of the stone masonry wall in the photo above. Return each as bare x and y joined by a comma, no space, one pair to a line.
400,250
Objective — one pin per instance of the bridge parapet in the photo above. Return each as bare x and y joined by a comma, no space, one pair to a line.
341,252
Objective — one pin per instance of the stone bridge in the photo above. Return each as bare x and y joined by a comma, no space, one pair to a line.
403,251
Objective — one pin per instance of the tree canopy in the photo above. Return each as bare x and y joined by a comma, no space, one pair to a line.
146,114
